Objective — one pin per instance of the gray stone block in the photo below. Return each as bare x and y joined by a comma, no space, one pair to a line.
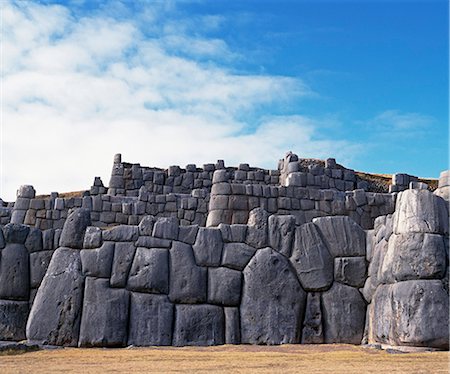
281,233
104,322
273,300
257,230
224,286
150,271
26,191
199,325
166,228
343,236
14,272
151,320
208,246
13,319
187,234
15,233
122,233
72,235
187,280
232,326
312,332
146,225
344,312
237,255
39,262
123,258
55,315
311,259
34,240
92,237
350,270
151,242
98,262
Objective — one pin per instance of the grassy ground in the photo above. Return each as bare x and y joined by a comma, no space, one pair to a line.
235,359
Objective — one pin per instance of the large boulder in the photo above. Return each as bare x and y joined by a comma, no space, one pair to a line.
281,233
98,262
350,270
208,246
232,326
123,258
14,272
312,332
151,320
72,235
39,262
199,325
56,312
257,230
13,319
311,259
224,286
273,300
237,255
104,322
15,233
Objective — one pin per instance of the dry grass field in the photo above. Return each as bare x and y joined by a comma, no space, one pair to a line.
226,359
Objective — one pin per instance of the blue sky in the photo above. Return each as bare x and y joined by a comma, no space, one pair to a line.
177,82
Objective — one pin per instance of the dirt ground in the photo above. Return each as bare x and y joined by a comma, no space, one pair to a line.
235,359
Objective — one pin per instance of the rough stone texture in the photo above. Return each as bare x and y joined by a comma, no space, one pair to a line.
187,280
123,258
104,321
312,332
311,259
420,211
92,237
257,230
224,286
121,233
232,326
199,325
273,300
98,262
55,315
13,319
150,271
414,256
72,235
344,311
151,319
187,234
208,246
281,233
34,240
166,228
350,270
237,255
15,233
39,262
146,225
343,236
14,272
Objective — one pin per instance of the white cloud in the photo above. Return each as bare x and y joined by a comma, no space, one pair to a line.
78,90
395,120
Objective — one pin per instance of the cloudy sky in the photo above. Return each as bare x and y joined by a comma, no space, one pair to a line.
178,82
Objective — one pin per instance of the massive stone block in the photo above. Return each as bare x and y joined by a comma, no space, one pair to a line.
122,233
344,312
273,300
34,241
350,270
232,326
257,231
237,255
224,286
281,233
166,228
187,280
311,259
151,320
199,325
150,271
15,233
104,321
123,258
208,246
343,236
72,235
13,319
98,262
39,262
55,315
312,332
14,272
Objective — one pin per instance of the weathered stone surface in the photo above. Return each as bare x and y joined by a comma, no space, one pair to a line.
26,191
208,246
224,286
281,233
166,228
414,256
98,262
312,332
34,240
199,325
237,255
146,225
187,280
350,270
311,259
150,271
72,235
123,258
55,315
2,240
343,236
257,230
273,300
14,272
104,321
47,239
13,319
39,262
232,326
187,234
122,233
151,319
420,211
92,237
15,233
151,242
344,311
